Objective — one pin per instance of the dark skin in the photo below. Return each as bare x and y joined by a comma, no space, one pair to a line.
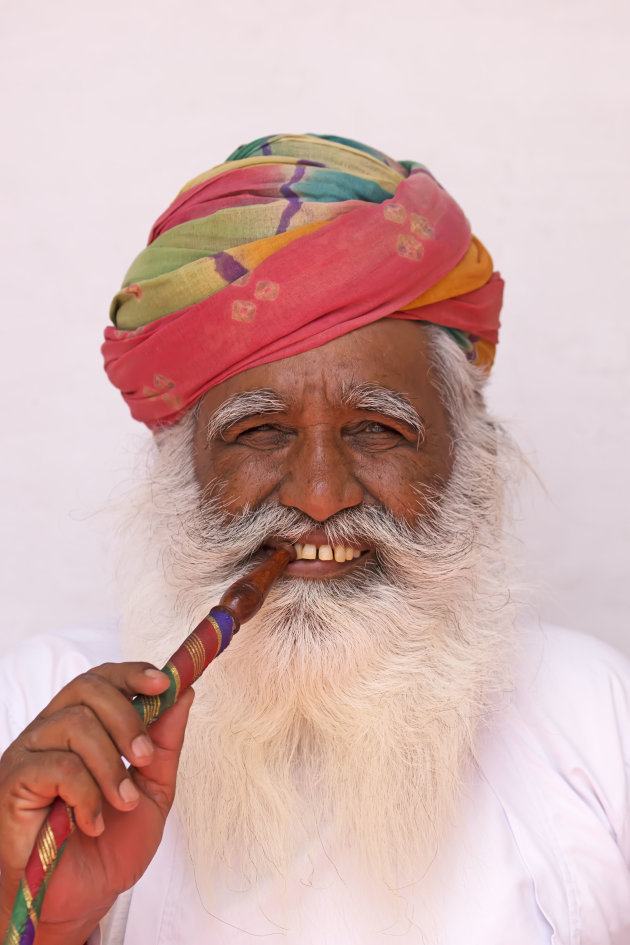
318,455
321,456
73,749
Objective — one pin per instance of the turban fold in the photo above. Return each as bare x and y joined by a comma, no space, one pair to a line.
294,241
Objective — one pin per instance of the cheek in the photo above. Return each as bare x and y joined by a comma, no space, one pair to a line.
405,484
239,479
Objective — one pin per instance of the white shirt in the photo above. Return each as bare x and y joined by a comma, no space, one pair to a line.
542,856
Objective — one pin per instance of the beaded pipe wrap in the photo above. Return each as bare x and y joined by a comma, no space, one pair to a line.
239,603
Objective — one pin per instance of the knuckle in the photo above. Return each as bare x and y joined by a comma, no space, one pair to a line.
11,805
40,719
79,716
89,680
103,669
93,686
69,765
109,675
20,749
7,759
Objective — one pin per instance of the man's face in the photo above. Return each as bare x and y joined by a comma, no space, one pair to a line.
356,422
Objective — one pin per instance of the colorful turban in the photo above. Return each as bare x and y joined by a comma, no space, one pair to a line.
294,241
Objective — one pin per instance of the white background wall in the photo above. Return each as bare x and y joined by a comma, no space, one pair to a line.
521,109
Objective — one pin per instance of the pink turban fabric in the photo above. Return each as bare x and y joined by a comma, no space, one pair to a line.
294,241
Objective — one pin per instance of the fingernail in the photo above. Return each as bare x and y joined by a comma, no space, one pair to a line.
99,823
154,674
142,747
128,791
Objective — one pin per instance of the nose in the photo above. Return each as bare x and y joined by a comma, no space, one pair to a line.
319,478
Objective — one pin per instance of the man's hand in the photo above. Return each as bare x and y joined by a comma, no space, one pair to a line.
73,749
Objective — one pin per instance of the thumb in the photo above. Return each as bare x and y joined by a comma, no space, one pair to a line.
167,734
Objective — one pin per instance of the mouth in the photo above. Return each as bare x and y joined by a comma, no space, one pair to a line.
316,557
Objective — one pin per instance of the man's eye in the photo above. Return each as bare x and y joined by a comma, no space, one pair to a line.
372,435
375,427
264,427
264,436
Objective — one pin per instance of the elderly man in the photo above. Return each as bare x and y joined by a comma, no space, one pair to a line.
380,752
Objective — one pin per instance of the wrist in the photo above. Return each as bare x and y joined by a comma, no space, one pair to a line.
65,933
73,932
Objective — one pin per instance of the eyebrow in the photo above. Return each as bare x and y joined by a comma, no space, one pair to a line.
239,407
383,400
370,397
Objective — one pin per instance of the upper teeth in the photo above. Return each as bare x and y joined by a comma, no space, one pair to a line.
326,552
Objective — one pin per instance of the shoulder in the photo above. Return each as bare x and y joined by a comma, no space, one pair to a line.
557,758
570,678
36,668
572,709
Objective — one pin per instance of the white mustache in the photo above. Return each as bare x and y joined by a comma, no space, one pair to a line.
233,543
251,529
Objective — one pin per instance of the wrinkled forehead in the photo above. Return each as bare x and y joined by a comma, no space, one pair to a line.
388,356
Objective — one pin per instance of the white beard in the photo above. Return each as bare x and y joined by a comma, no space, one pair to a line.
347,709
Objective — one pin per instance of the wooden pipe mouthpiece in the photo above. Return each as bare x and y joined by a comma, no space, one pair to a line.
246,596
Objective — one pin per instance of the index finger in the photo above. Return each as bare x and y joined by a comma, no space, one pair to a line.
106,690
129,678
